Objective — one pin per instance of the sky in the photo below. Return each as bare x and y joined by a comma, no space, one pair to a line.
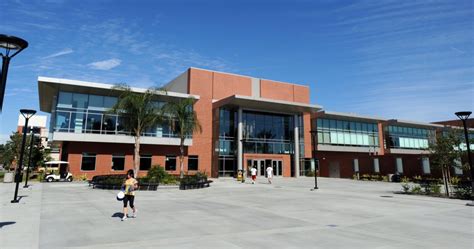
410,60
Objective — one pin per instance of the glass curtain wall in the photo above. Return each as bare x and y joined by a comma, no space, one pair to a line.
402,137
87,113
266,133
227,142
347,133
263,133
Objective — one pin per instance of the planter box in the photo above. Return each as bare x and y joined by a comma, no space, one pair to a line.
141,187
186,186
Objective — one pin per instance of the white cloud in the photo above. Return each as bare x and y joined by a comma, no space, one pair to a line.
60,53
106,64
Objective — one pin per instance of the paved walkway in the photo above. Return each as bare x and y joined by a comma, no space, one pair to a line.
341,214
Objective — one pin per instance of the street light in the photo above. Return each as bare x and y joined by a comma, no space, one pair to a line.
8,44
313,135
27,114
463,116
30,160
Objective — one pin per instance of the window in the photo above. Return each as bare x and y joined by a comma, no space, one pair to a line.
425,163
65,99
118,162
145,162
193,162
356,165
79,100
376,165
88,161
170,163
457,167
399,163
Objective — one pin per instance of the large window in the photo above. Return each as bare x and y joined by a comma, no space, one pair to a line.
145,162
88,161
268,133
193,162
347,133
118,162
409,137
87,113
227,166
170,163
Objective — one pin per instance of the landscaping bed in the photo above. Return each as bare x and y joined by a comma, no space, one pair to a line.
116,181
197,181
458,189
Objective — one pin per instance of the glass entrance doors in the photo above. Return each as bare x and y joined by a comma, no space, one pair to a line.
277,167
262,164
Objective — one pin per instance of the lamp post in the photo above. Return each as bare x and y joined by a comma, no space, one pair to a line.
8,44
30,160
27,114
463,116
313,135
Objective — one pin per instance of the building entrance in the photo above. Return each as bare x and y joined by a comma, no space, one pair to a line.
262,164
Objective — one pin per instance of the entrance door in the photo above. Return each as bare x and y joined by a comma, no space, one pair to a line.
277,166
334,170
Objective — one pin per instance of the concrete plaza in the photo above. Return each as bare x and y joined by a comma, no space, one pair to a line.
341,214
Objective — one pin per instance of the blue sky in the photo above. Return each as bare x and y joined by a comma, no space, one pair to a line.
409,60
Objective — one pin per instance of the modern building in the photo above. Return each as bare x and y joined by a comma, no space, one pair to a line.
246,122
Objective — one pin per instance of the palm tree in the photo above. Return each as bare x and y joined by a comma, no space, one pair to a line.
184,122
139,112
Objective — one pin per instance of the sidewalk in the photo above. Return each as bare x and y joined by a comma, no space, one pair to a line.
20,222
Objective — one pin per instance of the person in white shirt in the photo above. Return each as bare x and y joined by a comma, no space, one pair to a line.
253,172
269,174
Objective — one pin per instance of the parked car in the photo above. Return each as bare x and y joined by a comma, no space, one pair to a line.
59,172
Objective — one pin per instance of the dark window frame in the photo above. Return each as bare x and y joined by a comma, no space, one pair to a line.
193,163
88,155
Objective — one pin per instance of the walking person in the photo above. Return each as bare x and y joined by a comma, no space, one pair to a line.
253,172
269,174
130,185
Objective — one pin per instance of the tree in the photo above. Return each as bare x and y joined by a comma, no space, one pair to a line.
184,122
443,152
10,153
138,112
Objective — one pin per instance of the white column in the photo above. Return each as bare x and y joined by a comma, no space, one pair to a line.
297,148
239,140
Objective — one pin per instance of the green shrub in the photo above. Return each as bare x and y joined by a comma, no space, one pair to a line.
416,189
365,177
354,177
385,178
310,173
405,179
199,177
462,192
375,177
158,174
435,189
405,187
1,175
417,179
454,180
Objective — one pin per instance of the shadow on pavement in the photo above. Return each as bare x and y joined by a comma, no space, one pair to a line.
6,223
117,215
